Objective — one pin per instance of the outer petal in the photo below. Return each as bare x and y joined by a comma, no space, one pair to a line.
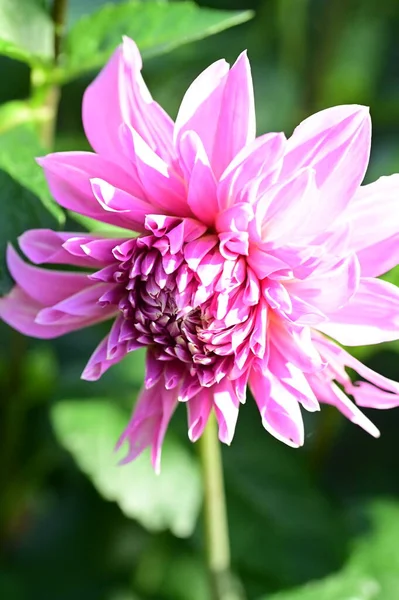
370,317
19,311
119,95
201,104
201,193
279,408
45,286
336,143
374,218
198,410
369,396
55,247
331,290
337,356
226,405
257,160
283,212
162,185
330,393
236,124
149,422
68,175
219,107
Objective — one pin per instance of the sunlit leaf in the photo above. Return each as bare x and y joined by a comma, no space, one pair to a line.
26,31
157,27
171,500
373,570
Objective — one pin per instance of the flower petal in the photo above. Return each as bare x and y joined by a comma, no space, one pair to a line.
119,95
328,291
370,317
68,175
374,217
198,410
279,408
47,246
162,185
201,104
149,422
45,286
236,120
201,193
226,405
329,393
257,160
336,143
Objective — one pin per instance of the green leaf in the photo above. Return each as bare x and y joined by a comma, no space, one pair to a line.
25,201
157,27
372,572
90,429
18,149
20,210
26,31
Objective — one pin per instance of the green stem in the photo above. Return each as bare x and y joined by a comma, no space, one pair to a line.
215,516
46,93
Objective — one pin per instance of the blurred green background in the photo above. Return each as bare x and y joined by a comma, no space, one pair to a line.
75,527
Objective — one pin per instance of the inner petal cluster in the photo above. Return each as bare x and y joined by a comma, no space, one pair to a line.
198,312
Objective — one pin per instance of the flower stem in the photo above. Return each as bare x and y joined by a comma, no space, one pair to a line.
46,93
215,517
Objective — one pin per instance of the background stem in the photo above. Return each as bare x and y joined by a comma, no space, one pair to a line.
224,587
46,93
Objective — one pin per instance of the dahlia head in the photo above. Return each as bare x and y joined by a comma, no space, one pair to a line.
253,255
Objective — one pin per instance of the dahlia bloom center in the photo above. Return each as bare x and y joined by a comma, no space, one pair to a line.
184,293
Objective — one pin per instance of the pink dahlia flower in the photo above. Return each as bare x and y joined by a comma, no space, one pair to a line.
253,254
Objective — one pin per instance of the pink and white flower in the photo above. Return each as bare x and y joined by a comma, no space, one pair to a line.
253,254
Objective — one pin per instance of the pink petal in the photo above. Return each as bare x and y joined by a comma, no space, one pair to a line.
336,143
162,185
336,355
198,411
200,178
296,345
201,105
330,290
84,303
68,175
149,422
47,246
119,95
132,211
374,217
293,379
369,396
330,393
370,317
236,120
99,362
226,405
256,160
19,311
54,247
283,212
45,286
279,408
